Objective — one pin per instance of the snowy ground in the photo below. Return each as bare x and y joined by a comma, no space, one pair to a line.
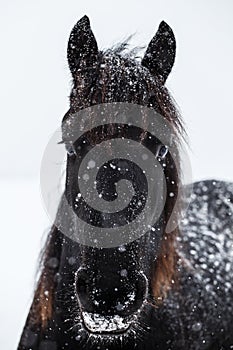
23,222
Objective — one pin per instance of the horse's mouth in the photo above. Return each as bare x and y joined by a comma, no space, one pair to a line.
98,324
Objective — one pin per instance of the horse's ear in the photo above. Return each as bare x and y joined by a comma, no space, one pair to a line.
160,54
82,45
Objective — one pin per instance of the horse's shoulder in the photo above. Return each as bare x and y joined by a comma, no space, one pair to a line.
202,303
207,236
214,189
211,200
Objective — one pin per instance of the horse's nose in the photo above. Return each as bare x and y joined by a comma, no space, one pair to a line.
117,293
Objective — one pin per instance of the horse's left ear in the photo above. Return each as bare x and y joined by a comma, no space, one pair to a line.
160,54
82,46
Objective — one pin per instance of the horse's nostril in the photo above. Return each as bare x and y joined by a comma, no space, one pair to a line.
141,286
84,290
112,294
82,275
139,293
82,281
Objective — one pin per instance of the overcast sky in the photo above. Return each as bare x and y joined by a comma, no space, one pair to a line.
35,84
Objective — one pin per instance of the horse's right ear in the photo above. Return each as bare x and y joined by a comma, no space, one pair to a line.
161,51
82,45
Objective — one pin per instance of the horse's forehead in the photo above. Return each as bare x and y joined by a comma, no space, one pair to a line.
120,64
111,58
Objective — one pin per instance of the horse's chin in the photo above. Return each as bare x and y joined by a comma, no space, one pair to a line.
106,325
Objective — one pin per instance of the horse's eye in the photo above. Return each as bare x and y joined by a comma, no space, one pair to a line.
70,149
162,151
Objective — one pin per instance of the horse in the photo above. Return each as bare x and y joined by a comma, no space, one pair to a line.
160,290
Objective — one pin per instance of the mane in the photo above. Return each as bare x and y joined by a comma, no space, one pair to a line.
123,49
165,270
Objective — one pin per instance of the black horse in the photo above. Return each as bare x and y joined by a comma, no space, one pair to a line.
161,290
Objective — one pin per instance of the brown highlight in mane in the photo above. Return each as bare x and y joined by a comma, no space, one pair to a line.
166,273
42,307
166,270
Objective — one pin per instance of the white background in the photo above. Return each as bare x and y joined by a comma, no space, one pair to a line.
35,84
